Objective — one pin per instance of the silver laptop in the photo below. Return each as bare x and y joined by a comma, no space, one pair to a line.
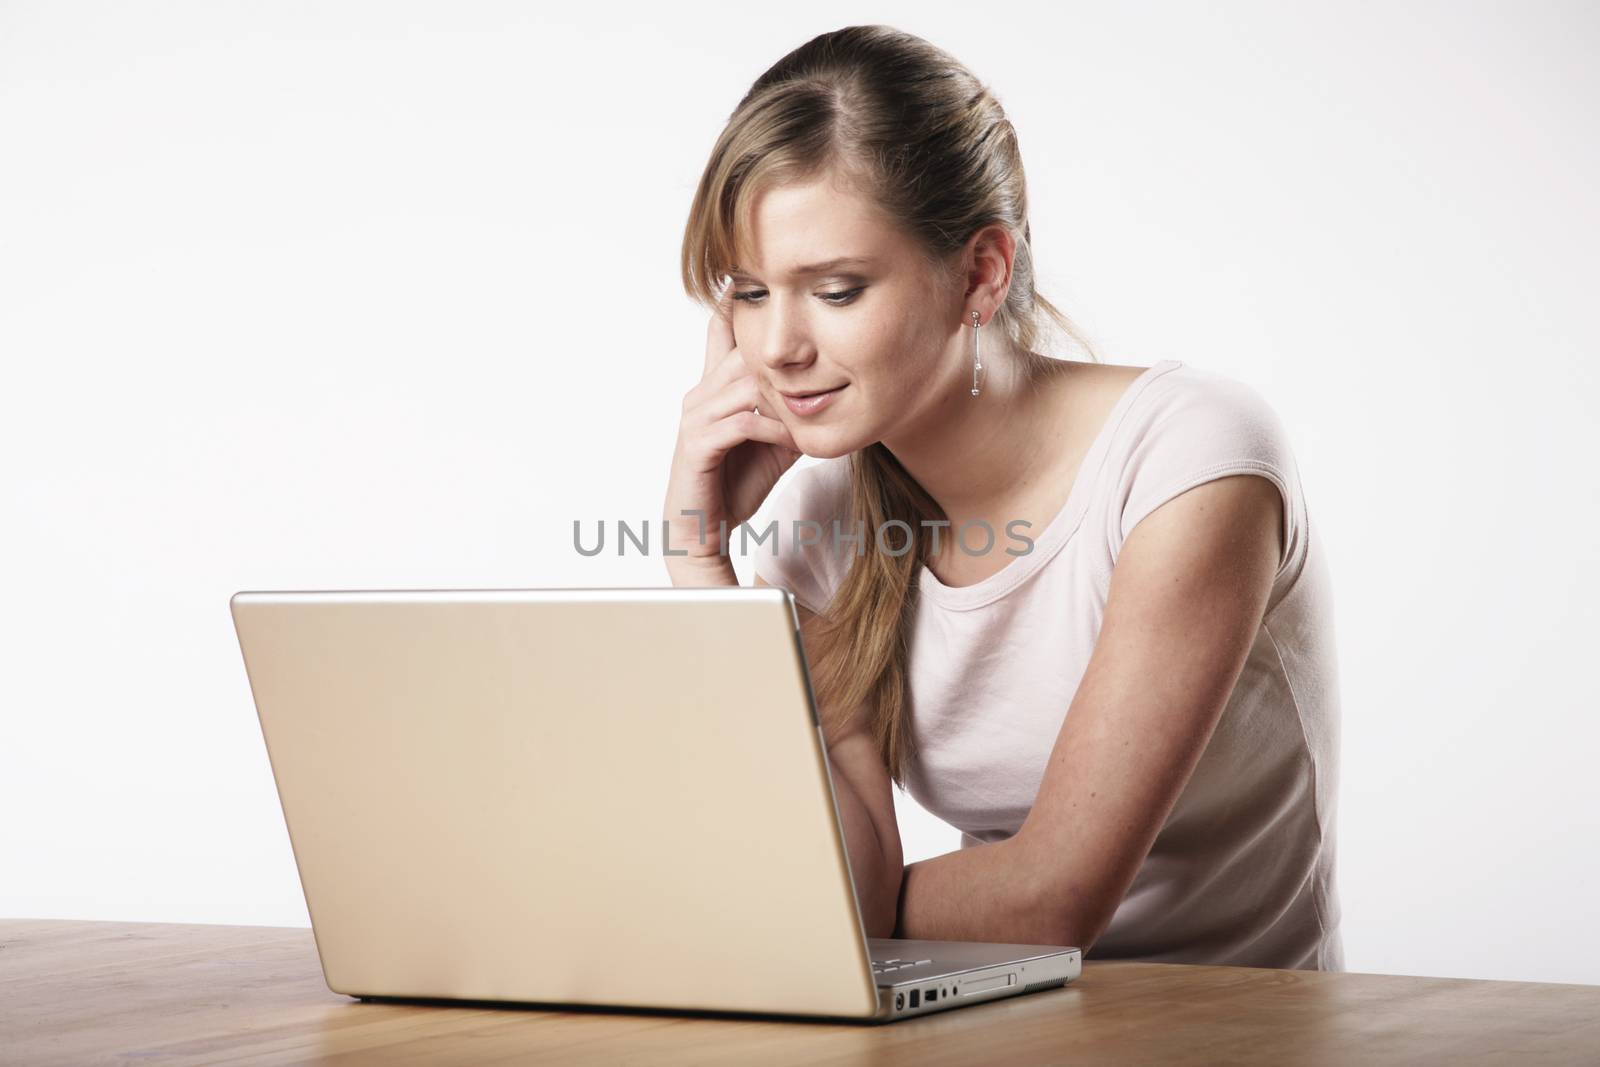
603,797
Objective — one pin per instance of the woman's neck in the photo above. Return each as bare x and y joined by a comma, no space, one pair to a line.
980,455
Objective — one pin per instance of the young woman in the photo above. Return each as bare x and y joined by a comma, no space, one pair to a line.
1074,608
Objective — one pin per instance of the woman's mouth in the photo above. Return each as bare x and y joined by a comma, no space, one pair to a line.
810,405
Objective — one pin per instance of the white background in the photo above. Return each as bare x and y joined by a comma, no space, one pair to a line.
377,295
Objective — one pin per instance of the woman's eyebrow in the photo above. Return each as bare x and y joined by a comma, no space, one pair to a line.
810,268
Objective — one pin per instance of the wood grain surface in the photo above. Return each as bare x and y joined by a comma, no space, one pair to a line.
74,992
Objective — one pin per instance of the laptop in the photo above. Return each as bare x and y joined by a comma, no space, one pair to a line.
616,798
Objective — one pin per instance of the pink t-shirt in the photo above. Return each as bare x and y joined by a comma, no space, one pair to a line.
1242,871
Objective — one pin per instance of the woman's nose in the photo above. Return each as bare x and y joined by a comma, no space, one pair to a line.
784,342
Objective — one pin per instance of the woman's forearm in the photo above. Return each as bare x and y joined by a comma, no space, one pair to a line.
877,887
696,572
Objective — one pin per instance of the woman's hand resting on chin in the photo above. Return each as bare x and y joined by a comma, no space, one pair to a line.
727,459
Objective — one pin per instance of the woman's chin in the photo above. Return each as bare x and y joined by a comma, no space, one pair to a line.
823,446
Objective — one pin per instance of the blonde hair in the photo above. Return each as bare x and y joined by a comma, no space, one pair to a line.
914,130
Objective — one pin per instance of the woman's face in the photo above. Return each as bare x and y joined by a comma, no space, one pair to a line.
879,330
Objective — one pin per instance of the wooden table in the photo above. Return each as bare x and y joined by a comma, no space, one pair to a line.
102,992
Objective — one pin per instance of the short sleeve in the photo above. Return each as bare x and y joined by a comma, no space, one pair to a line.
1199,426
797,550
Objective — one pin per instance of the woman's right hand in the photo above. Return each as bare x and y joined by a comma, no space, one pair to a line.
728,456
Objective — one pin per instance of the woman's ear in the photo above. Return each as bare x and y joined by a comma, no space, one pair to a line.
990,254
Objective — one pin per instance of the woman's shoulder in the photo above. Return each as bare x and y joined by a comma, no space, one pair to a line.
1192,425
819,490
795,524
1199,391
1186,414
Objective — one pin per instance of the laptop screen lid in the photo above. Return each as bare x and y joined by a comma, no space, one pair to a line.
577,796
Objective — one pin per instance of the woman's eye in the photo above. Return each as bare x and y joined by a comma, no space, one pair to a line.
838,298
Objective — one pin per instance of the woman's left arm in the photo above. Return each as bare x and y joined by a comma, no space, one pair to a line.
1187,596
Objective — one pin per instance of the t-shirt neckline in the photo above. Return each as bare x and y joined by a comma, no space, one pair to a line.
1057,531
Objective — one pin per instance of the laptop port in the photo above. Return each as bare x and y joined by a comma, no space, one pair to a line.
933,995
899,1001
915,995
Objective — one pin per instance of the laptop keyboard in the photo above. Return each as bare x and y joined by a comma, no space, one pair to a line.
886,966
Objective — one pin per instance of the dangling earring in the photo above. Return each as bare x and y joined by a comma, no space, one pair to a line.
976,366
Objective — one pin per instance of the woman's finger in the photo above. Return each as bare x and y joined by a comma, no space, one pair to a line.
719,331
740,394
741,426
730,369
